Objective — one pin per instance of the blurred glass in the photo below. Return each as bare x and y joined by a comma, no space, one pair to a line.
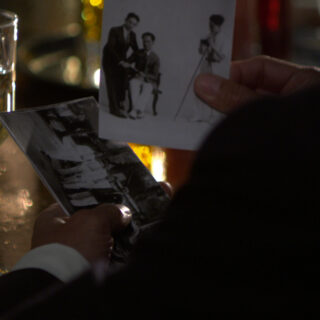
91,15
44,18
8,46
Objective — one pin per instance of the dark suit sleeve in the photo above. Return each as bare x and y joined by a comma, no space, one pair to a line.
134,43
154,70
132,58
111,45
19,285
79,299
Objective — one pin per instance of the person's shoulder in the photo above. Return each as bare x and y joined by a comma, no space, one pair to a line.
154,56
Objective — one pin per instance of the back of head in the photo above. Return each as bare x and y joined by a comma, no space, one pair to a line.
243,233
251,208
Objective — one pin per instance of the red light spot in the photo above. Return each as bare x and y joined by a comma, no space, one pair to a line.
274,9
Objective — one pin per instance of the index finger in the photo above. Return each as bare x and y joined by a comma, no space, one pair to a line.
263,73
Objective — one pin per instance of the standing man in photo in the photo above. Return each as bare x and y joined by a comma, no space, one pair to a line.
211,51
211,46
145,64
120,40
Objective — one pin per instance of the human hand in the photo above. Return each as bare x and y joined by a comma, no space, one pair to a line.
253,78
90,232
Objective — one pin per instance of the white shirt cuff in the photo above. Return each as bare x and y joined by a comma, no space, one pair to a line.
63,262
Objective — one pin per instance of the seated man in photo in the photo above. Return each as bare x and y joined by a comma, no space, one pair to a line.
145,65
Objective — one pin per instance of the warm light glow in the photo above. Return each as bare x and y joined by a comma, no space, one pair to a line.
274,15
8,102
72,71
96,78
73,29
154,158
96,3
13,106
158,164
25,201
15,206
144,153
92,19
89,16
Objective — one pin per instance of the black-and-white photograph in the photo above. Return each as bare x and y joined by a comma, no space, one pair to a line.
152,52
79,169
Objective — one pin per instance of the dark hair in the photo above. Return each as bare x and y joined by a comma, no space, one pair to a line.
132,15
217,19
149,34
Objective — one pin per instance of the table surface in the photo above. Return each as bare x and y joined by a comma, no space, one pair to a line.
22,194
22,197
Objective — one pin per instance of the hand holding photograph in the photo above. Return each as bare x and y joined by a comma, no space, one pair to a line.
81,170
152,51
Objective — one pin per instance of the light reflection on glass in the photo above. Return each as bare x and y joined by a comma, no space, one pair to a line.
96,78
96,3
72,71
22,197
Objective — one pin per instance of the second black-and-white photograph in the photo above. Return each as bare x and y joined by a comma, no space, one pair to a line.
80,169
152,52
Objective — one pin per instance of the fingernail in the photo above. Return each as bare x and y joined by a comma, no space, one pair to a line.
61,220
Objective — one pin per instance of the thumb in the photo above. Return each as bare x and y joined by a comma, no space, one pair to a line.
222,94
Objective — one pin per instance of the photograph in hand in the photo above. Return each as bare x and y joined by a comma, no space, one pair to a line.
152,52
80,169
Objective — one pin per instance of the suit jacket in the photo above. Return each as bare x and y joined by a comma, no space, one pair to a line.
18,286
147,64
241,236
117,47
